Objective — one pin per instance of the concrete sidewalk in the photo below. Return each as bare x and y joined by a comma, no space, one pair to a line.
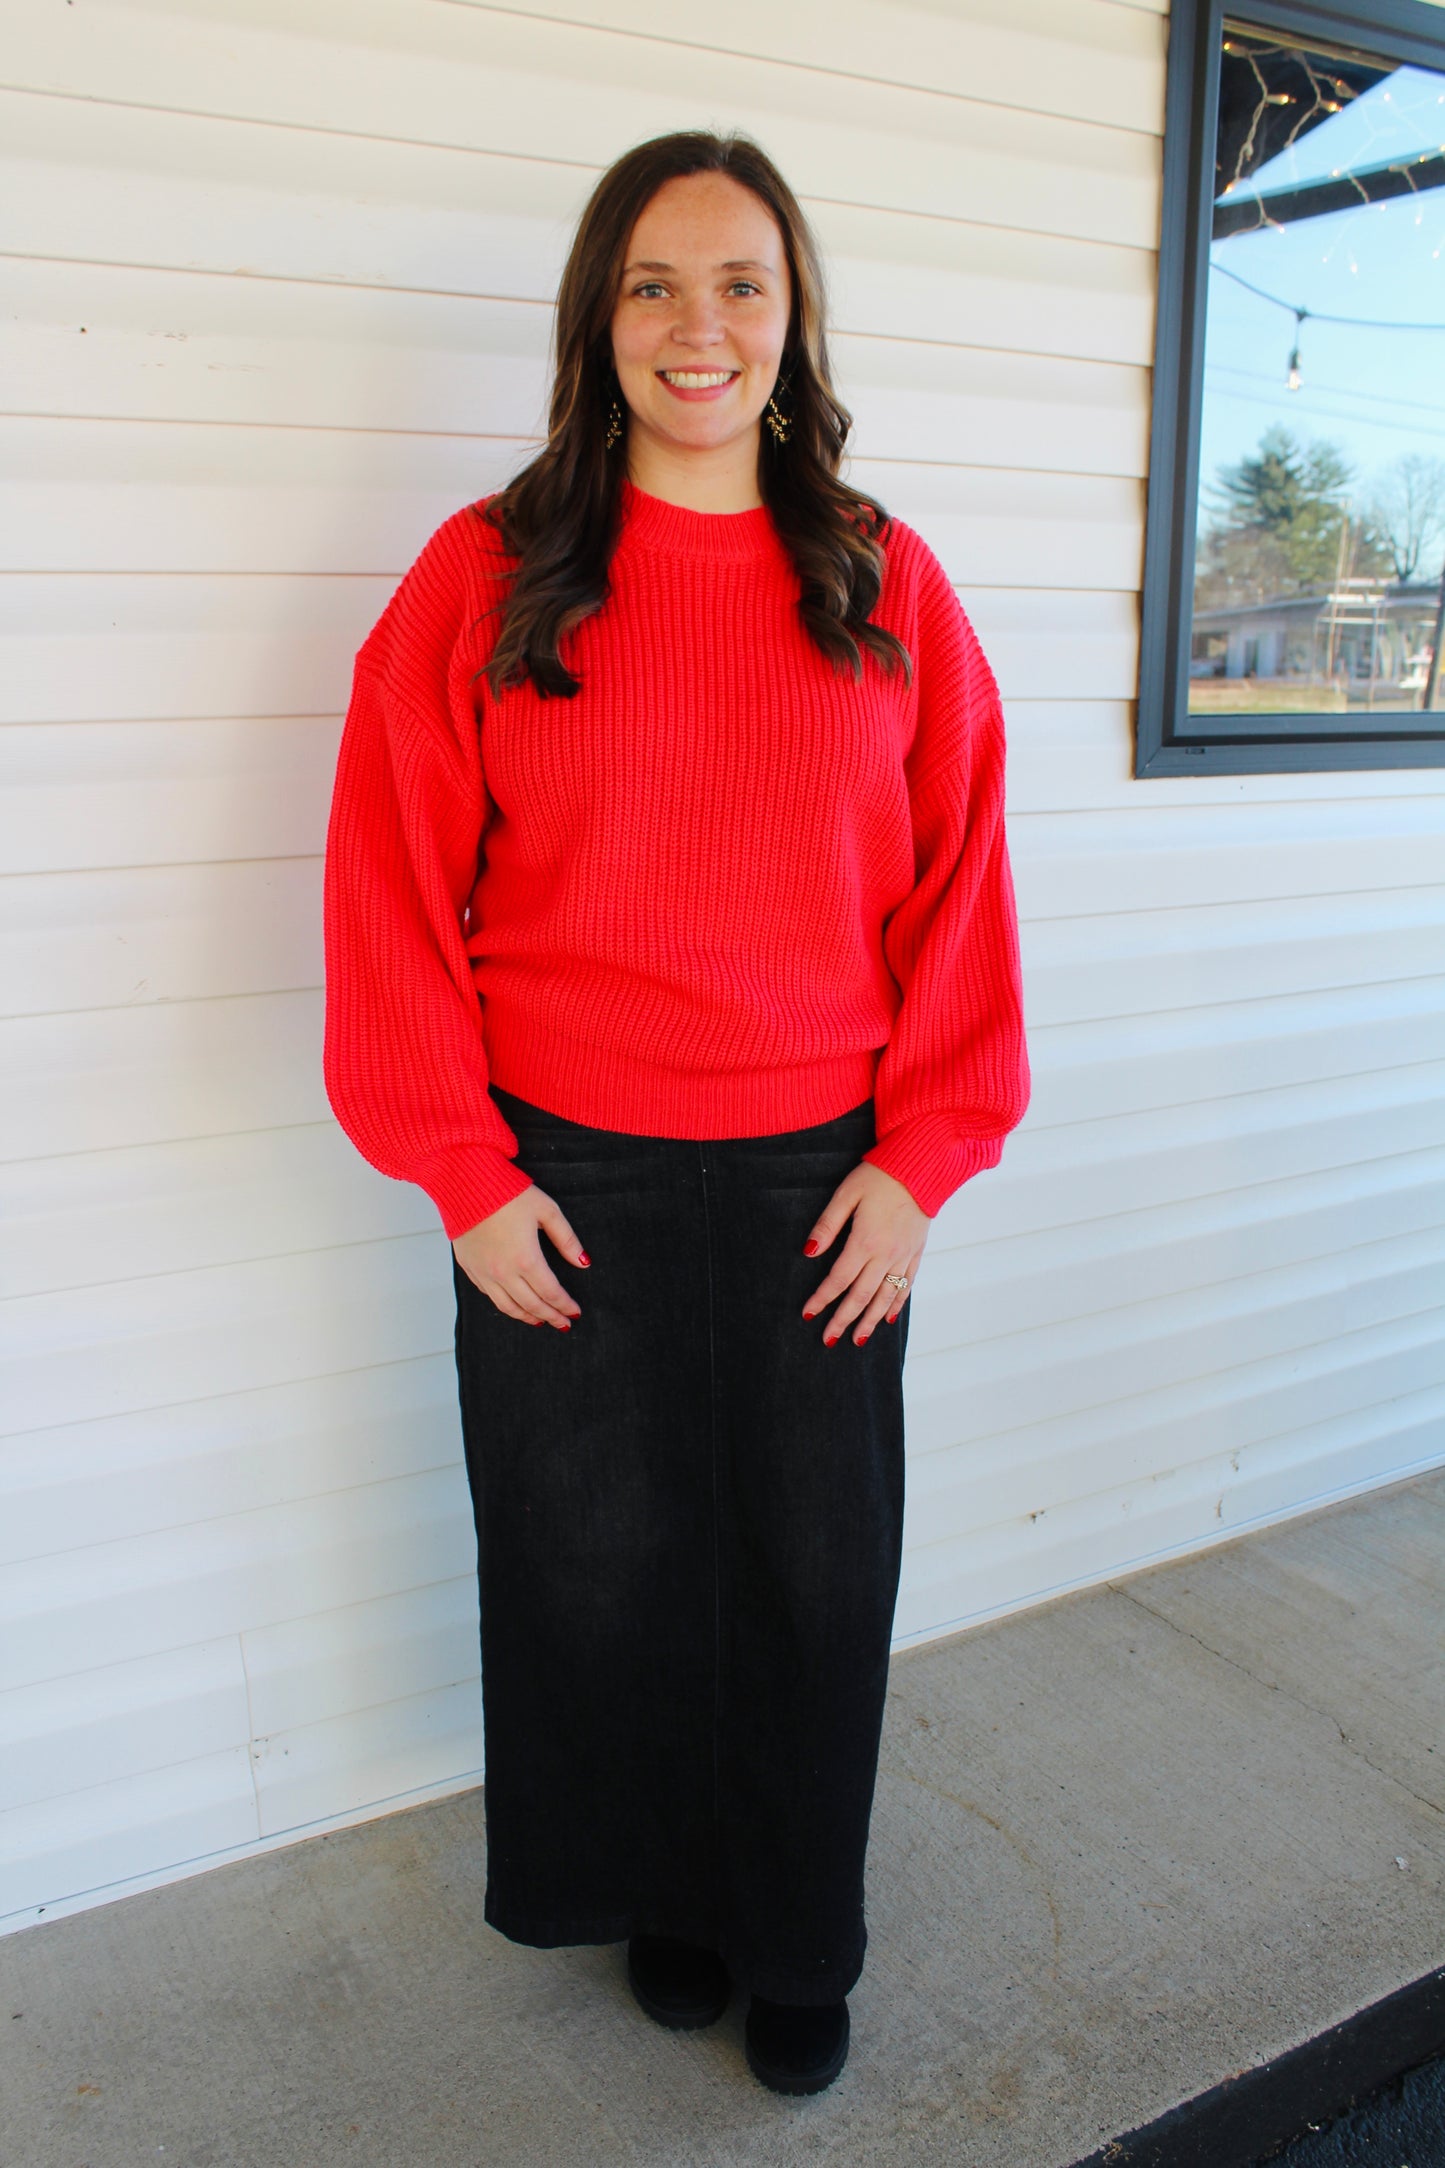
1124,1845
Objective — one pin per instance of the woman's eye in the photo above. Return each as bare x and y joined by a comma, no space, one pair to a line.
646,291
747,286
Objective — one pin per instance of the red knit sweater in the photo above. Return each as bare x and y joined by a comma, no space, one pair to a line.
722,892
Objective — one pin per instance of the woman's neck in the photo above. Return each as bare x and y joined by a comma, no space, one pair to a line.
722,478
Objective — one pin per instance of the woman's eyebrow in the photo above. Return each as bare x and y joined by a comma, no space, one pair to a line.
735,263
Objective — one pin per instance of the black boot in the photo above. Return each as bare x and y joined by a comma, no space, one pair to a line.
796,2049
676,1983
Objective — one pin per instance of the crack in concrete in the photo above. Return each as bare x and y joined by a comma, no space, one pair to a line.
1271,1686
1011,1837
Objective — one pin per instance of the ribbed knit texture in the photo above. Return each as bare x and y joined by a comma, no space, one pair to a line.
722,892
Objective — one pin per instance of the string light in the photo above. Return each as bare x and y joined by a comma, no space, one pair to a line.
1321,316
1370,324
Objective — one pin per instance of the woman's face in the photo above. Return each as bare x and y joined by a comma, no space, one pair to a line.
702,313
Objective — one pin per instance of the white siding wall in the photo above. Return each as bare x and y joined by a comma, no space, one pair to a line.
279,275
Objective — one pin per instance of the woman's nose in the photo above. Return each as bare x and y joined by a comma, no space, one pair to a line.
698,323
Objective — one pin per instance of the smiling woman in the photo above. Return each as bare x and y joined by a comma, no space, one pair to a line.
668,909
692,257
698,340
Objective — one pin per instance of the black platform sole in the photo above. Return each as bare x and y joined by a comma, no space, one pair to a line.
791,2081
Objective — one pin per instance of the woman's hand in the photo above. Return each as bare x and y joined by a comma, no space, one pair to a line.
888,1234
502,1256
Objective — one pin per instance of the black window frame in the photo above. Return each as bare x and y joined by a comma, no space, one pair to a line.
1169,741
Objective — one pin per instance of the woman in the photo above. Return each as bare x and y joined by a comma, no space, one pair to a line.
668,912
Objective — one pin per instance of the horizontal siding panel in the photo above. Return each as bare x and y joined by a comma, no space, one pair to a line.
75,797
1073,756
93,1482
1066,1368
183,1205
132,356
1181,1509
173,1069
472,78
159,933
1088,865
149,1593
1060,1178
967,1492
967,284
136,1825
962,1497
1141,963
1194,1250
959,406
368,1757
152,1343
119,1720
1200,1054
1030,419
1085,58
95,647
164,497
83,177
1057,646
332,1664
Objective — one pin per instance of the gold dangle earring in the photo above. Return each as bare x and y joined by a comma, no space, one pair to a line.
614,424
780,423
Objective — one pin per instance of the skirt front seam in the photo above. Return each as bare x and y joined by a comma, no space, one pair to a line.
720,1862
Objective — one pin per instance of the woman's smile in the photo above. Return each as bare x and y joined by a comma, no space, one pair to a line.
698,383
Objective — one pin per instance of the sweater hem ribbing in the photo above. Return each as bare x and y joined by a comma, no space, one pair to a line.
605,1088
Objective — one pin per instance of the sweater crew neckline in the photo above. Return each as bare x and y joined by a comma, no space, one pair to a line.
676,530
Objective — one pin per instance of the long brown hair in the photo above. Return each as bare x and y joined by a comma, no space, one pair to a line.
559,516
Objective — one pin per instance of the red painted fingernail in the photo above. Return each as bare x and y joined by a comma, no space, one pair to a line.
810,1313
810,1247
564,1326
583,1258
831,1339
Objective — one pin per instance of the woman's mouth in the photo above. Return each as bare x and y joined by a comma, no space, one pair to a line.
698,383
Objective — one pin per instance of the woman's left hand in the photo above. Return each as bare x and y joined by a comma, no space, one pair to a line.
888,1234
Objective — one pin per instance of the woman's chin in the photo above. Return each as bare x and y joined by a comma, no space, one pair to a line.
698,429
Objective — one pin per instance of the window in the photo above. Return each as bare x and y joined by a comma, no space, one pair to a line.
1294,563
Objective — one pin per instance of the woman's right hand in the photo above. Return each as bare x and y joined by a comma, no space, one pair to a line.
502,1256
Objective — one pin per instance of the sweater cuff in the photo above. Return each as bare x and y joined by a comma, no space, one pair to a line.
931,1160
469,1183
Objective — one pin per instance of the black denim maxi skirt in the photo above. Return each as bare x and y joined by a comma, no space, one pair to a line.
689,1525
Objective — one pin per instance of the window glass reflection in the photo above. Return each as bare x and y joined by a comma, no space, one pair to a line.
1320,549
